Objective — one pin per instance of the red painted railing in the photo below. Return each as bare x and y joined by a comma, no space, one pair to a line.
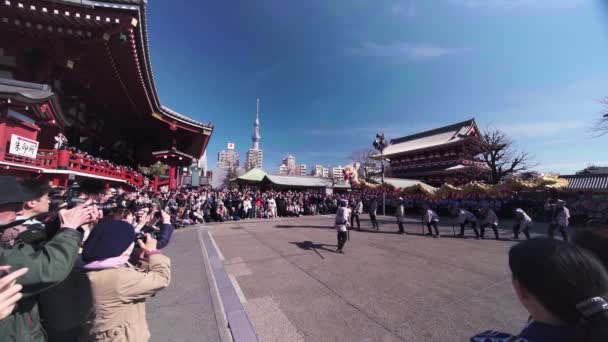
67,160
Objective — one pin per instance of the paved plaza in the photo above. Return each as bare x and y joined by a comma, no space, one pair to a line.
387,287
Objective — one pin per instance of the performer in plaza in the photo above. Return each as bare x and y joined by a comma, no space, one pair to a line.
357,209
560,218
431,219
464,217
522,223
488,219
373,208
342,224
400,214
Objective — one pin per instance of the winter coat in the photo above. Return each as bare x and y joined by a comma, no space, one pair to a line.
400,213
118,296
490,217
341,221
430,216
48,265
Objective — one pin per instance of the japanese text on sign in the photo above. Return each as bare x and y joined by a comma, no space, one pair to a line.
24,147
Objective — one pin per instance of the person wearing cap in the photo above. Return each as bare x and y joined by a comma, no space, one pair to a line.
341,224
488,219
48,264
400,214
560,218
119,289
431,219
522,223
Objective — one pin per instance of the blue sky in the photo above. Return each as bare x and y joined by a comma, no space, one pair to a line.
331,73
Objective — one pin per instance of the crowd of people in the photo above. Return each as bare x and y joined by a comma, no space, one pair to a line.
78,267
77,264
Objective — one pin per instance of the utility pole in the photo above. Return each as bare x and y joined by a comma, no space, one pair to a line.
379,144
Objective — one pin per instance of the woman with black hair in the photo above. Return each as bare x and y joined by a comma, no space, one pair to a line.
563,287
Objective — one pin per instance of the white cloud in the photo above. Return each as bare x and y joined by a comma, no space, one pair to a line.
402,51
567,167
549,127
519,4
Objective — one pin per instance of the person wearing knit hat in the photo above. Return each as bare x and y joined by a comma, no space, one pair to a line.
118,288
109,239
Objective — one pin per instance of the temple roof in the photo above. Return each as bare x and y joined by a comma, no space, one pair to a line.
585,182
451,168
303,182
27,90
433,138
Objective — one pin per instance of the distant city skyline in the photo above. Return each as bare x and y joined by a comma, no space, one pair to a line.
535,69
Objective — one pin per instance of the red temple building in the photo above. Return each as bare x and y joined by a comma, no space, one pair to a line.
82,69
441,155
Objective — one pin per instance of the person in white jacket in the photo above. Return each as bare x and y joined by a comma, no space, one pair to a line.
431,219
246,207
522,223
560,218
342,224
464,217
400,214
488,219
356,211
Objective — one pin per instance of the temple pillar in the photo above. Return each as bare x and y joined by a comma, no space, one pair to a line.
63,159
172,177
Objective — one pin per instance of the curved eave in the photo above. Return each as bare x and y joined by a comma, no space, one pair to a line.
184,119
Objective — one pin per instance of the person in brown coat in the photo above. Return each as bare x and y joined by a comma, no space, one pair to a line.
119,288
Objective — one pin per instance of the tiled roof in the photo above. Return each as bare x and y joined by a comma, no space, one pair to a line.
594,183
181,117
32,91
253,175
436,137
303,181
401,183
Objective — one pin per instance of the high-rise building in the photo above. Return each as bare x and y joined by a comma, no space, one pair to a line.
255,155
283,170
288,166
325,172
290,162
228,158
202,165
302,169
336,172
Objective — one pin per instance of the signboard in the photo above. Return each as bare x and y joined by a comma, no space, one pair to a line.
24,147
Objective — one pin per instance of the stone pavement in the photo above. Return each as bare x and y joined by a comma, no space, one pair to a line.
386,287
185,311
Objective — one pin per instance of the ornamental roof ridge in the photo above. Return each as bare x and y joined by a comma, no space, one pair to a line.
434,131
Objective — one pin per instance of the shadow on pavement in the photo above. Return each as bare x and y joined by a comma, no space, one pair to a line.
294,226
311,246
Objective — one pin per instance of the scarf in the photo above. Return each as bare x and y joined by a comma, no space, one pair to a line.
115,262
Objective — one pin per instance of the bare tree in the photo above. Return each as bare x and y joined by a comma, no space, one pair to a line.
501,156
369,167
601,124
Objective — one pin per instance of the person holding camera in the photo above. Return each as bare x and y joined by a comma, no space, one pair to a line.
119,288
48,264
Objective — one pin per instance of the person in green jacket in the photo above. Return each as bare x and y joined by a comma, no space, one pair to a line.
47,264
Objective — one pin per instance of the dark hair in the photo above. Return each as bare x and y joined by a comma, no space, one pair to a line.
560,276
91,186
39,187
595,241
